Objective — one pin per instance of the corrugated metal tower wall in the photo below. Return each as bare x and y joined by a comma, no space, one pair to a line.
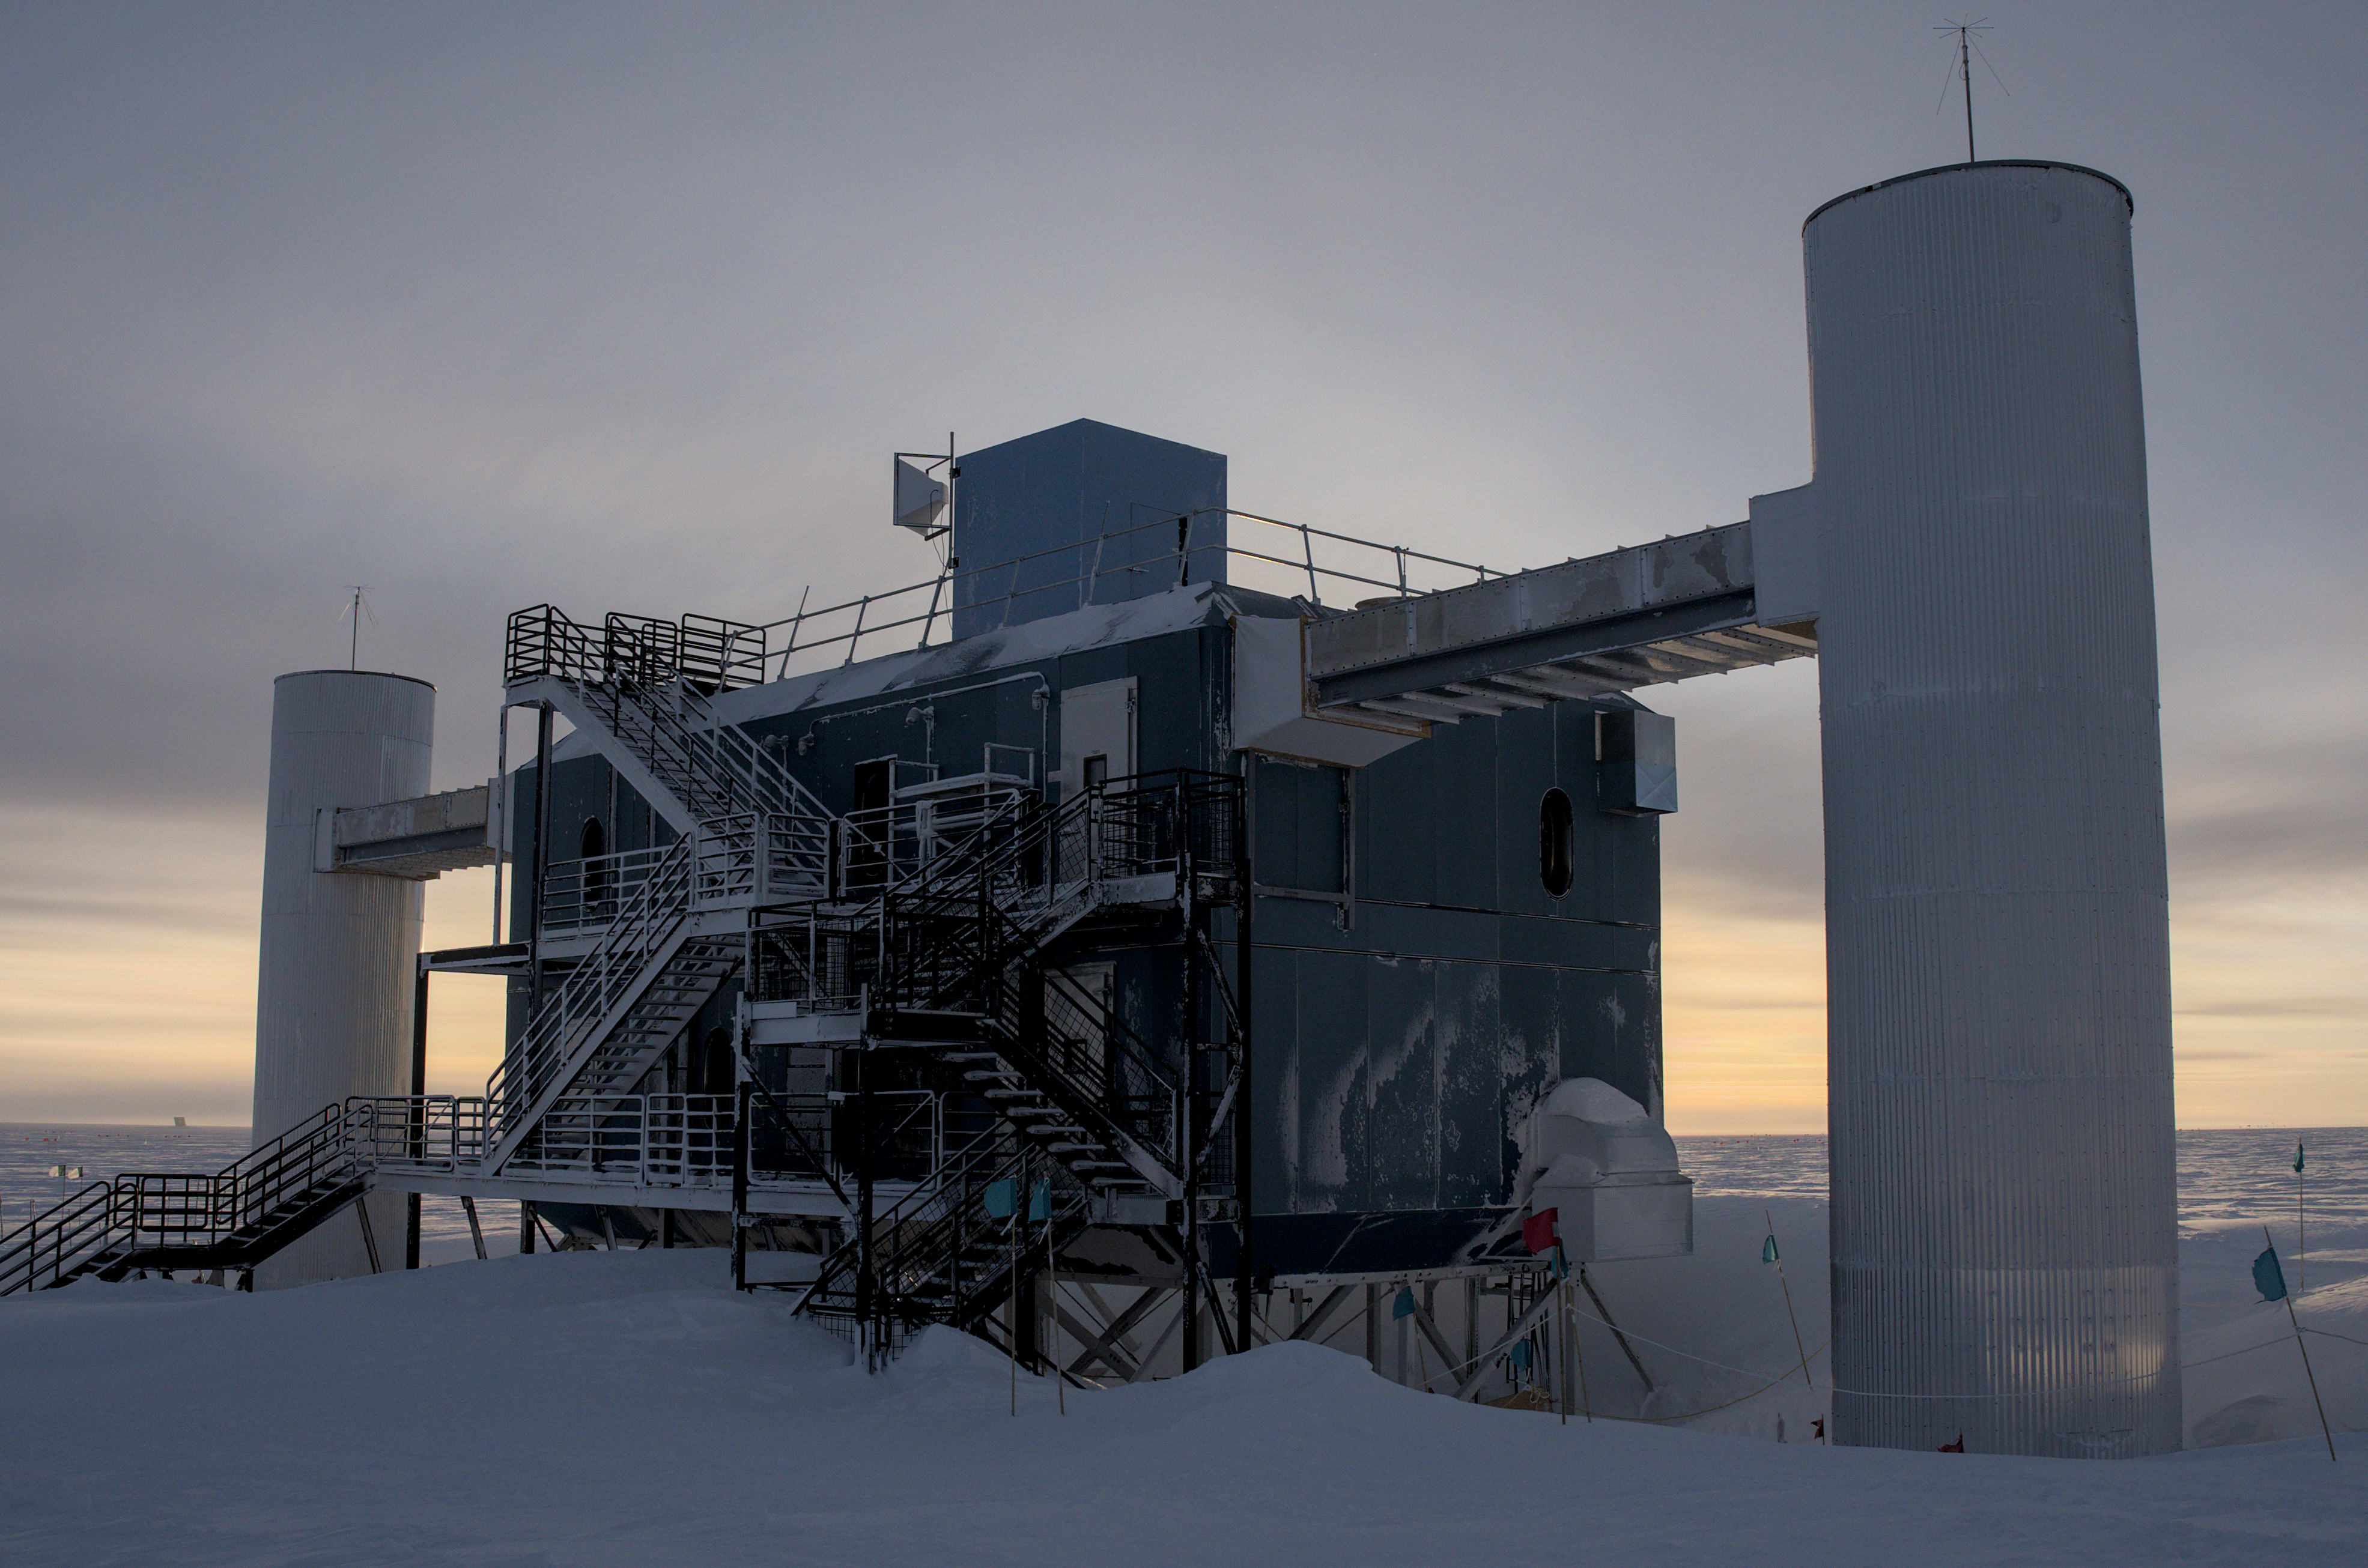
338,951
1998,942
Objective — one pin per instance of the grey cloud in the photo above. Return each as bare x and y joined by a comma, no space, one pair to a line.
2277,815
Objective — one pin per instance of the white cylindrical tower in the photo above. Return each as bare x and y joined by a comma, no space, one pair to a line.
1996,924
340,950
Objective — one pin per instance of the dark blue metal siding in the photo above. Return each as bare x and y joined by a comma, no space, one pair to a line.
1402,1033
1398,1054
1076,485
1176,673
1300,827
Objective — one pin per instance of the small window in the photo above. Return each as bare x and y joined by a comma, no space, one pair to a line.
717,1073
1555,842
599,877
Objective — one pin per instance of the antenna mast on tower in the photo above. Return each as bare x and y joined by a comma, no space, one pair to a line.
356,608
1965,47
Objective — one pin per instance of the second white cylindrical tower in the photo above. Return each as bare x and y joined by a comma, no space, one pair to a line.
340,950
1996,925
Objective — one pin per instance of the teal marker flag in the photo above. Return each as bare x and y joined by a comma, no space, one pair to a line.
1520,1357
1403,1307
2268,1277
2297,1159
1768,1253
1002,1197
1039,1202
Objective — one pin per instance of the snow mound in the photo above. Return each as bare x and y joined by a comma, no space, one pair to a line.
940,1350
591,1409
1592,1100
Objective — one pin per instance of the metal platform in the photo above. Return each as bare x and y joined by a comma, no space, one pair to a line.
1642,616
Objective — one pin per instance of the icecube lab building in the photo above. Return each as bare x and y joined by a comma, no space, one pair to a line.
1246,957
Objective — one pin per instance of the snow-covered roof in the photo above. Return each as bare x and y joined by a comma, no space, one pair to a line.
1094,625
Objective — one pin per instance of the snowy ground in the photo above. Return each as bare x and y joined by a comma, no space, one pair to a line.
627,1408
2245,1381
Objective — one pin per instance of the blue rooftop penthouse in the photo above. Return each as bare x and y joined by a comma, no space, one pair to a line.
1084,513
1160,928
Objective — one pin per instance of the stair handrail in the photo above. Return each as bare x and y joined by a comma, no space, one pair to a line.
922,1233
954,1175
1003,941
929,1246
769,785
1138,1103
111,1216
590,989
319,1148
70,1229
639,663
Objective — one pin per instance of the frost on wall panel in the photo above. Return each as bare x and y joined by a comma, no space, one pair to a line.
1405,1084
1997,930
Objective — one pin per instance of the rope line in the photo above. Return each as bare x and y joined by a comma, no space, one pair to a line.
1798,1366
2329,1333
1801,1365
1866,1393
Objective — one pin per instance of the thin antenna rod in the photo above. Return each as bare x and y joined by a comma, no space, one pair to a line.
354,608
1965,31
1965,75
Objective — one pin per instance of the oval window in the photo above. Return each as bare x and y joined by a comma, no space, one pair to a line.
1555,842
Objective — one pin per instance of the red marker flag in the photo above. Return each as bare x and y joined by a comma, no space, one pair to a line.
1538,1230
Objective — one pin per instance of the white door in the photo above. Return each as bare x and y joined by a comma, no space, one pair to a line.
1097,735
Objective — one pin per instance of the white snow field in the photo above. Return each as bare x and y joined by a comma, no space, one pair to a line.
629,1408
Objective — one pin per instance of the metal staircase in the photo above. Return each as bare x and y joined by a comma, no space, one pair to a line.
943,1254
967,972
230,1218
616,1010
640,689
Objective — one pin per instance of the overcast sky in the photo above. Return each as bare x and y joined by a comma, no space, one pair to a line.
624,307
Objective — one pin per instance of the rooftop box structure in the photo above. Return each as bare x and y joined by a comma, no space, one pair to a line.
1078,515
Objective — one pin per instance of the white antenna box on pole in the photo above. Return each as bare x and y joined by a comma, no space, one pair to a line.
920,501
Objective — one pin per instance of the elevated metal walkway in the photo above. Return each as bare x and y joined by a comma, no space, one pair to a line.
1648,614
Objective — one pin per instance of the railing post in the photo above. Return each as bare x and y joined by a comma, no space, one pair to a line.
1245,963
855,638
927,625
541,858
417,1128
740,1147
867,1284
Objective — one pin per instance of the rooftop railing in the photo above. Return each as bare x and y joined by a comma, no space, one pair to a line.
1290,560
